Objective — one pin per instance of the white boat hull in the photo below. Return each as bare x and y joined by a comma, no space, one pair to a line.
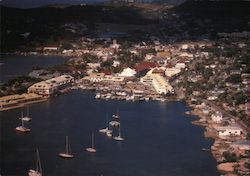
26,119
109,133
34,173
118,138
66,155
22,129
91,150
104,130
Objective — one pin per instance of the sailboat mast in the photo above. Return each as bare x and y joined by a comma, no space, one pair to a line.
92,140
67,148
38,162
22,120
119,129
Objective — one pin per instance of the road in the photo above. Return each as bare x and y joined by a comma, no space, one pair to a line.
237,120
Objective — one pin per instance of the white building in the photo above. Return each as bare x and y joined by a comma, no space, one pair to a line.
128,72
180,65
50,86
95,77
159,83
217,117
116,63
172,71
114,45
149,56
226,131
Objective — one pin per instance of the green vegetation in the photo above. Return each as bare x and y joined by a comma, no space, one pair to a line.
18,85
230,157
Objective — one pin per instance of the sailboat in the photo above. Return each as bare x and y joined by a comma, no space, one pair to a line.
92,149
27,117
119,137
105,130
67,153
22,128
38,171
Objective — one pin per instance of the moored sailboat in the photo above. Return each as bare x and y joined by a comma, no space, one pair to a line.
92,148
27,117
22,128
38,171
119,137
67,153
105,130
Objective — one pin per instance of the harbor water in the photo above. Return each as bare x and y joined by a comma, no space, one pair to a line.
159,139
13,66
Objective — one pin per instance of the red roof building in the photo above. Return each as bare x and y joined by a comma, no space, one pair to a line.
145,65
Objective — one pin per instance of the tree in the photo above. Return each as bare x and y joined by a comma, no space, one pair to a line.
235,78
230,157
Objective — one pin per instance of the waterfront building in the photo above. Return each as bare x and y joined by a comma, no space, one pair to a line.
15,101
95,77
50,86
160,84
225,131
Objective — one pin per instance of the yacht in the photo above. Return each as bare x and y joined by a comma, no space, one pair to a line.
22,128
38,171
119,137
67,153
27,117
92,148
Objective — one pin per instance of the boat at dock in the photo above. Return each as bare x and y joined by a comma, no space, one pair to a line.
104,130
109,133
67,153
114,123
22,128
92,148
38,171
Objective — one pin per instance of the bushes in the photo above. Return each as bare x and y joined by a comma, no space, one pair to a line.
229,157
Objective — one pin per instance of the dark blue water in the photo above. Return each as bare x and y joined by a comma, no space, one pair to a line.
21,65
159,139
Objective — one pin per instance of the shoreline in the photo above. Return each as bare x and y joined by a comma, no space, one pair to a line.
203,119
209,131
219,144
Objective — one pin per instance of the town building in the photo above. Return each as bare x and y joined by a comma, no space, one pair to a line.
216,117
128,72
159,83
226,131
50,86
172,71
